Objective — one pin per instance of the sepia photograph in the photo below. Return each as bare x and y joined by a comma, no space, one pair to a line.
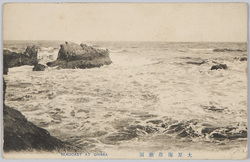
124,81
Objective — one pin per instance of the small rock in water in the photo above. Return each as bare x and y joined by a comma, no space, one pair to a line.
39,67
220,66
243,59
163,125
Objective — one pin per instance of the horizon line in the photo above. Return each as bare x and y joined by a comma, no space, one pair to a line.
132,41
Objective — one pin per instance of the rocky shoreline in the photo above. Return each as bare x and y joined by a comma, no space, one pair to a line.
74,56
21,134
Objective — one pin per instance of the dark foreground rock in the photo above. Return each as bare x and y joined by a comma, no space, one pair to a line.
220,66
39,67
20,134
73,56
13,59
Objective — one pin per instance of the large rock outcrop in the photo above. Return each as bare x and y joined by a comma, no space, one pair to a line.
73,56
13,59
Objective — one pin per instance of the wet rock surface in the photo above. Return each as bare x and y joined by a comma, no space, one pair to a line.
20,134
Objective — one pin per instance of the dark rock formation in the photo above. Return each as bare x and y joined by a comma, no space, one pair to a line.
20,134
220,66
31,51
39,67
4,89
73,56
5,68
243,59
13,59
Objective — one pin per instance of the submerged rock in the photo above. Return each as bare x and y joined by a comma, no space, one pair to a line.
72,56
13,59
39,67
243,59
220,66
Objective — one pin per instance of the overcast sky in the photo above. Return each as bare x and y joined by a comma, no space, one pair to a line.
183,22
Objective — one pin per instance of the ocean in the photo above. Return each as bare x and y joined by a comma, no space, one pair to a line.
155,96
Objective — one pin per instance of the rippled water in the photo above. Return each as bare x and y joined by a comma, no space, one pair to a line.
150,98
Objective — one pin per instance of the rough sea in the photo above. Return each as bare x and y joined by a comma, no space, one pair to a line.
155,96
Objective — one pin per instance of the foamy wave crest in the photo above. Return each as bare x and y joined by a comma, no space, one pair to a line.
47,54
